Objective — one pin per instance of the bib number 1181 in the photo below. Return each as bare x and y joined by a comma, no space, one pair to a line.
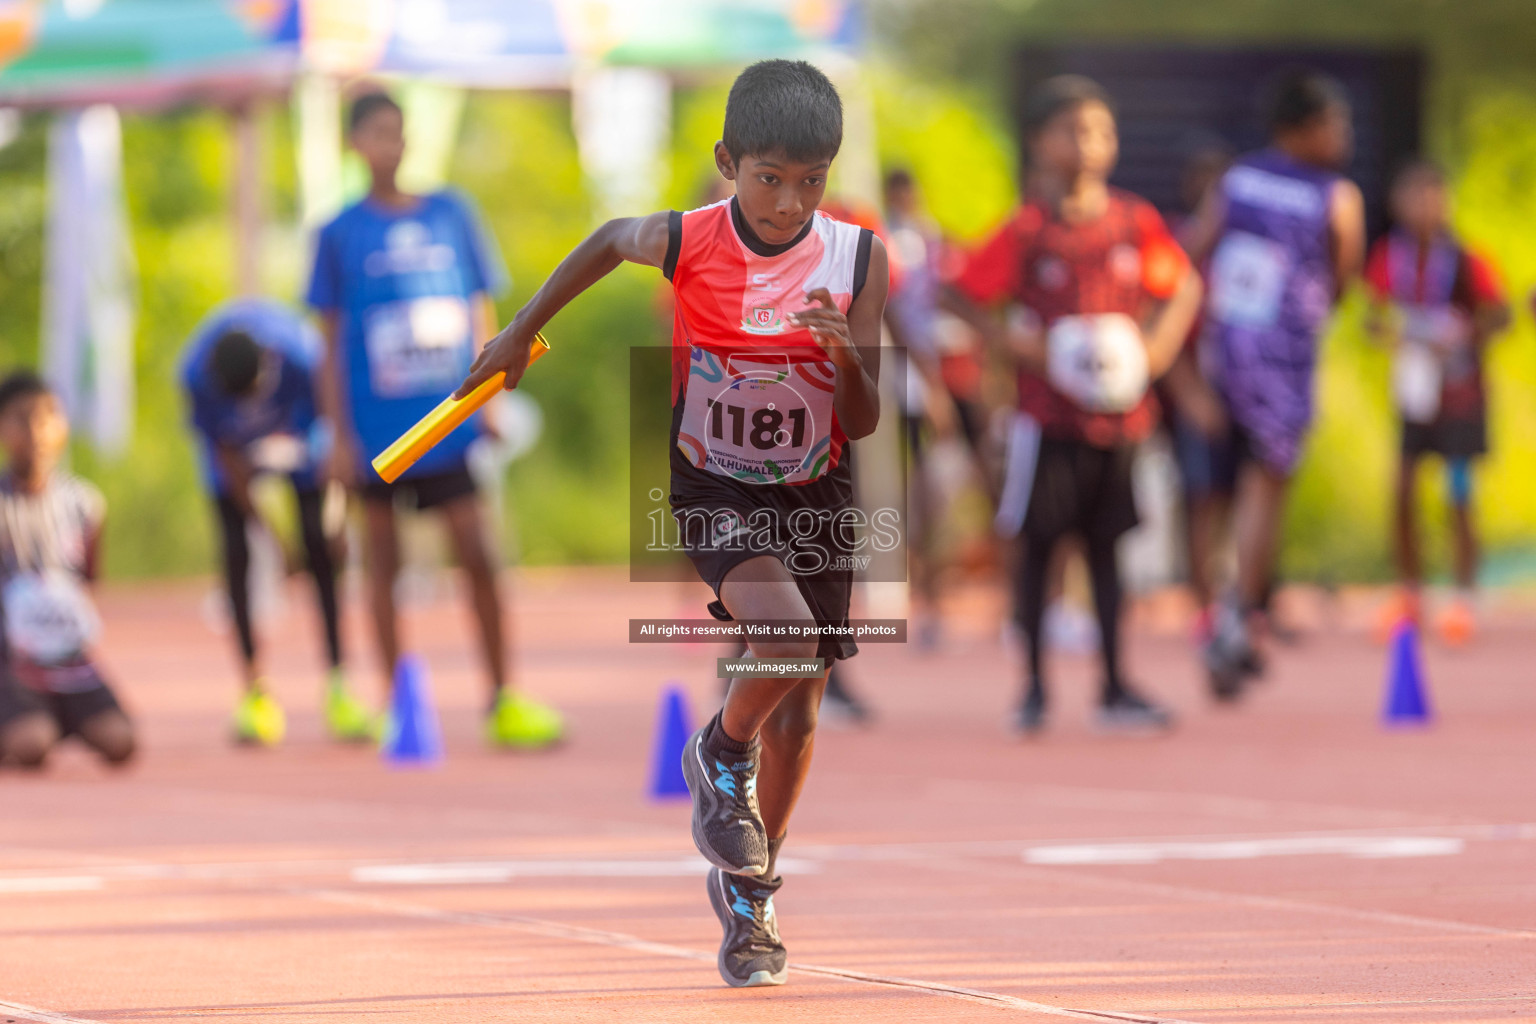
765,432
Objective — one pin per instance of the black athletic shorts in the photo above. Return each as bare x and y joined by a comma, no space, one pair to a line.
69,710
1454,438
427,491
1080,489
723,522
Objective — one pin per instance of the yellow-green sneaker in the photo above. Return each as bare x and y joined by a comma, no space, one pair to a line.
259,719
348,719
517,723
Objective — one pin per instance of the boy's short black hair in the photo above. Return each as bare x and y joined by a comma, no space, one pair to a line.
1301,94
898,178
1058,94
234,362
785,107
20,384
368,104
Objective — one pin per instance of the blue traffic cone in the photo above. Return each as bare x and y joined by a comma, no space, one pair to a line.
672,732
1407,701
412,736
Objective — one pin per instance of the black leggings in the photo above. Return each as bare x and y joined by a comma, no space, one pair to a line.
1104,572
317,554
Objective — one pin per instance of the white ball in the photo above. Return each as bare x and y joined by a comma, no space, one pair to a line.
1098,360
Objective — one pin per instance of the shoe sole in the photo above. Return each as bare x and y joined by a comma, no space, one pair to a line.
705,804
757,979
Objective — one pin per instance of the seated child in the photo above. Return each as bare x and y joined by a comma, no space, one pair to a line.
50,533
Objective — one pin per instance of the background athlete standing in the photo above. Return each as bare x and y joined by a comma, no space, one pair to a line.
1285,235
402,284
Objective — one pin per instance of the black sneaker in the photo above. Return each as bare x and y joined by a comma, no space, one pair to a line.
727,826
1129,711
1230,657
1029,719
751,954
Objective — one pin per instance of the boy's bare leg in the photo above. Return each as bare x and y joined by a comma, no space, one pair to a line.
762,588
472,550
789,737
1465,534
110,734
1409,569
26,739
1258,506
383,551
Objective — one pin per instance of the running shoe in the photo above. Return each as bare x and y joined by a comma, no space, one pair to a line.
259,720
517,723
727,825
751,954
1129,711
346,718
1230,657
1029,719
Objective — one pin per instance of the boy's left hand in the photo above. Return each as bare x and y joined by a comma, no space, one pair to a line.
829,326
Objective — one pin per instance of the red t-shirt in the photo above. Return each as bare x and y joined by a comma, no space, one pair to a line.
1121,262
1402,271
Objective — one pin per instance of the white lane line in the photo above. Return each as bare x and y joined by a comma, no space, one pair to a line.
619,940
1192,894
1247,849
21,1011
486,872
51,883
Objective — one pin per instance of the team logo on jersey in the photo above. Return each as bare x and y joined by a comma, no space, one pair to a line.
764,320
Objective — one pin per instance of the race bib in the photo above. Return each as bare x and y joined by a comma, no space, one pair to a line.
764,419
49,618
1417,380
1248,275
417,346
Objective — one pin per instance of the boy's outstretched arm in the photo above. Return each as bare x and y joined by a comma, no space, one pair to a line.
1167,328
852,343
628,239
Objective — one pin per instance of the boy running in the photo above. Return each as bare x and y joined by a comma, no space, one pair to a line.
1439,304
249,376
1076,248
50,542
1285,235
775,349
402,284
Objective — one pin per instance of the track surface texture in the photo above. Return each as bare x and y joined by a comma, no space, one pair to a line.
1284,860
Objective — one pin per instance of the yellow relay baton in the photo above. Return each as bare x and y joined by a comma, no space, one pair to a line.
439,423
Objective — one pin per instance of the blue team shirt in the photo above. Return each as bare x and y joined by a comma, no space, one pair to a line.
401,282
287,407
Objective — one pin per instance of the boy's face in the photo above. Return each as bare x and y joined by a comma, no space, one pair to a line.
380,141
34,430
1419,204
1328,140
901,199
778,196
1079,142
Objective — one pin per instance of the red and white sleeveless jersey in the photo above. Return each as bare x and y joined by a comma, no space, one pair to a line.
752,392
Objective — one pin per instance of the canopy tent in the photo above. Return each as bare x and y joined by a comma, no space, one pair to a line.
75,52
617,58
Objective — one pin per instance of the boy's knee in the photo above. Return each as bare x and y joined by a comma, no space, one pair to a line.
26,741
110,734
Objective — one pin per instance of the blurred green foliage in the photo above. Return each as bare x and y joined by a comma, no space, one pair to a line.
939,111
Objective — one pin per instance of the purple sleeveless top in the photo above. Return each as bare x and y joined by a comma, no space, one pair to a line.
1271,287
